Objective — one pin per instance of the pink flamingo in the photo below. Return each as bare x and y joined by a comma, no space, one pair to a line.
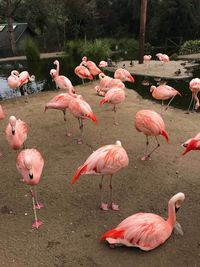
146,230
82,72
164,92
151,124
123,75
61,81
16,132
114,96
25,78
94,70
106,160
194,86
60,102
192,144
147,57
103,64
29,163
14,80
81,110
163,57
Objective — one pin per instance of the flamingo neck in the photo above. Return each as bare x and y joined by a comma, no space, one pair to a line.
171,213
57,67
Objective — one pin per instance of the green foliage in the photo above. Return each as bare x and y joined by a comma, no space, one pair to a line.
129,46
31,51
190,47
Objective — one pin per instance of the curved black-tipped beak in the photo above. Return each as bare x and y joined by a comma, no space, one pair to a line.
13,132
176,209
31,176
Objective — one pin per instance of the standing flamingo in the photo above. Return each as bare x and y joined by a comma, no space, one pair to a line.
82,72
81,110
194,86
61,81
114,96
14,80
192,144
146,230
124,75
106,160
150,123
147,59
60,102
29,163
16,132
164,92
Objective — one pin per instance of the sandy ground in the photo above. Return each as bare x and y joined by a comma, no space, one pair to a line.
72,220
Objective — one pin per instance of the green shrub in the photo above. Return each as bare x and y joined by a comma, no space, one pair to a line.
73,48
31,51
129,46
190,47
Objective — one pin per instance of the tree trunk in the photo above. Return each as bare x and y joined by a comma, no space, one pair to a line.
10,28
143,15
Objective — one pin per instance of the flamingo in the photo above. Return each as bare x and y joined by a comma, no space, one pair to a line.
164,92
25,78
81,110
103,64
94,70
61,81
147,58
82,72
123,75
60,102
146,230
114,96
106,160
14,80
2,116
192,144
150,123
194,86
16,132
29,163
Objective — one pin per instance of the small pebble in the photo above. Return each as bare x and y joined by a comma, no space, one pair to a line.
25,213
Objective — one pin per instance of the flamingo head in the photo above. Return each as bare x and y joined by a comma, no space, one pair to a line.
15,73
28,165
152,88
180,197
53,73
56,62
84,58
191,145
12,121
118,143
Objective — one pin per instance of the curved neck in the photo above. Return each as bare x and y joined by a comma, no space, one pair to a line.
171,213
57,67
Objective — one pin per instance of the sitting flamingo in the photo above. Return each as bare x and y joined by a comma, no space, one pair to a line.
164,92
114,96
146,230
81,110
16,132
106,160
124,75
61,81
29,163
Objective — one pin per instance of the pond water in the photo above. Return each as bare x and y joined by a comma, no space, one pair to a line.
43,80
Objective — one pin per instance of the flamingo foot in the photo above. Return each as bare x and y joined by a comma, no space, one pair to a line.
114,206
37,223
145,158
104,206
38,206
79,141
68,134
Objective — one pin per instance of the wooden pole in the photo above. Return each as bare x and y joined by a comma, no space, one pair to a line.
143,15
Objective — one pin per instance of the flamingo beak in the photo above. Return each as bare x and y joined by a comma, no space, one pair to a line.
13,132
177,209
30,174
190,146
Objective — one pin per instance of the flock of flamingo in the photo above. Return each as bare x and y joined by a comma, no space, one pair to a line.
143,230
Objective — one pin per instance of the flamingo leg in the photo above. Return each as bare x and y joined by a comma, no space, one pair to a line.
115,110
145,157
65,119
37,222
37,205
114,206
83,81
80,140
188,111
169,102
154,148
103,206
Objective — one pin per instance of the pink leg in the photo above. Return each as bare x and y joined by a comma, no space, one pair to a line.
114,206
68,134
103,206
80,140
146,157
37,223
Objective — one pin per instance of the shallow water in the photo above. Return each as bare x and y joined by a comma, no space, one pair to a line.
43,80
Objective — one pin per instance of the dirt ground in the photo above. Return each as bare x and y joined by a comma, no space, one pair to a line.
73,223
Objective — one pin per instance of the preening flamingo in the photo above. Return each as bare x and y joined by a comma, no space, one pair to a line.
192,144
14,80
61,81
25,78
81,110
16,132
164,92
194,86
146,230
163,57
82,72
114,96
106,160
124,75
94,70
151,124
29,163
60,102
